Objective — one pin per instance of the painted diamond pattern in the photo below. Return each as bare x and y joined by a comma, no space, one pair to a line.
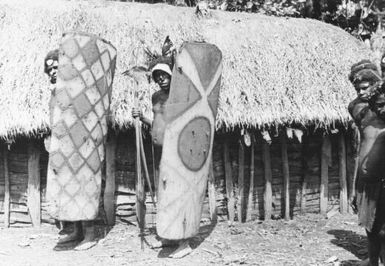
96,134
94,161
74,175
82,105
65,178
79,134
72,187
82,40
97,70
59,130
99,109
69,117
75,86
93,94
90,120
62,99
87,148
79,62
66,146
58,160
105,58
70,47
76,161
88,78
101,85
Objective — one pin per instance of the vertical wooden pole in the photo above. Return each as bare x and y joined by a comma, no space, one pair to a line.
34,201
109,192
7,188
286,175
305,174
342,174
325,159
268,195
211,192
229,182
241,182
251,188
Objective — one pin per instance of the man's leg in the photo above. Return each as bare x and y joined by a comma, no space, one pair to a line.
89,239
374,247
183,249
75,235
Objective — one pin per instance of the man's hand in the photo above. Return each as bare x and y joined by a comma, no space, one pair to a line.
136,112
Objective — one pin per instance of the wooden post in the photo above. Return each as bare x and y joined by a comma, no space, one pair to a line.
268,195
109,192
305,170
34,201
229,182
241,182
286,175
325,159
211,192
342,174
251,188
7,188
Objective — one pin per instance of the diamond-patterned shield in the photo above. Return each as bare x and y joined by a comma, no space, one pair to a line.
74,176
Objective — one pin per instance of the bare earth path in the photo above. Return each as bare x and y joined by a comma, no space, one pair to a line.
306,240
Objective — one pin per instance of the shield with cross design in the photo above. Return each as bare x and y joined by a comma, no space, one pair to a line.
190,113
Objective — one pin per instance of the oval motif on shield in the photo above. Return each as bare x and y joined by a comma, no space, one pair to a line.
194,143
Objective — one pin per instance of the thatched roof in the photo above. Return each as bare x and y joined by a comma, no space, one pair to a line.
276,70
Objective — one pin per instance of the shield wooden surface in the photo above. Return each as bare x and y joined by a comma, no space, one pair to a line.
188,139
79,110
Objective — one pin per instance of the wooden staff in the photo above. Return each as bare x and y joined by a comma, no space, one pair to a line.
143,155
140,196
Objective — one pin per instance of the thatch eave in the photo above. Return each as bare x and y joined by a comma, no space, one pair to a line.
276,70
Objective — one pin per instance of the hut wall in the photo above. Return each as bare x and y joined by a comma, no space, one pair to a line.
304,163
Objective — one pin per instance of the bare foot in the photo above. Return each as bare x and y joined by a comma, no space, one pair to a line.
84,245
89,237
164,243
74,236
183,250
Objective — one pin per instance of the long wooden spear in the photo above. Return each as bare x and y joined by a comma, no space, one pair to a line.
140,195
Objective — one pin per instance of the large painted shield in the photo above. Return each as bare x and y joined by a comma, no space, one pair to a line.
188,139
79,110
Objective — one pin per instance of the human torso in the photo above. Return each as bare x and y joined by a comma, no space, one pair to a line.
372,146
159,99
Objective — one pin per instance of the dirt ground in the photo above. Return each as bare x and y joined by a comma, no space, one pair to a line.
305,240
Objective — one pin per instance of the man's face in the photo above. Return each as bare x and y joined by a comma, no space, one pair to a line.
363,82
379,106
52,66
163,79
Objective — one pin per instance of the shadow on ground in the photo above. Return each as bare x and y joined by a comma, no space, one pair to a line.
204,232
352,242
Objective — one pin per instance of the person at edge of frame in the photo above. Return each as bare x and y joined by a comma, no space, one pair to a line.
366,112
161,71
82,231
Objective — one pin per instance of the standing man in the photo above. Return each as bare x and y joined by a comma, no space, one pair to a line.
79,109
80,231
161,73
370,183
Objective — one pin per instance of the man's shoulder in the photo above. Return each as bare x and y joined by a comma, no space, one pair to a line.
158,96
358,109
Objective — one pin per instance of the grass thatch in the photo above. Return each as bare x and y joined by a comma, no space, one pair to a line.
276,70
